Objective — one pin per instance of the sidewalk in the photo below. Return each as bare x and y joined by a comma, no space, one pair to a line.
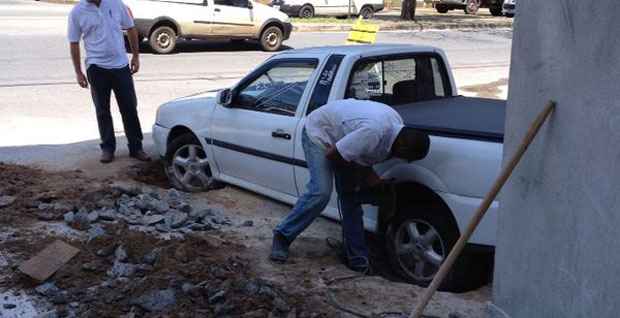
426,19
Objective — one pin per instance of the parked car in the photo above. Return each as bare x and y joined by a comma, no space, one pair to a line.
250,136
469,6
510,8
162,22
311,8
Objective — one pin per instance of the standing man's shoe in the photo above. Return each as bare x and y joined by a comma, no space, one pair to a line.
279,248
106,157
140,155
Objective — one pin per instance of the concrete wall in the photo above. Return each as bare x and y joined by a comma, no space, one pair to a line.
558,252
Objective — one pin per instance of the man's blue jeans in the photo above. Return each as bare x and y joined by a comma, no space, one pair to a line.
312,203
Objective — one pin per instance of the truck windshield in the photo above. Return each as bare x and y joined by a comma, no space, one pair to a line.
404,80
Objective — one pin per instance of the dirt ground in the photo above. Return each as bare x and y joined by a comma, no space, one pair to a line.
218,273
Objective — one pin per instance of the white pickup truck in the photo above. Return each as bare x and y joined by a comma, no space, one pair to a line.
250,136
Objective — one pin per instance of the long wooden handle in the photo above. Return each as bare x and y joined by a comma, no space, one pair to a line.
482,209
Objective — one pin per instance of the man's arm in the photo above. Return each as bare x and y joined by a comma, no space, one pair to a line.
77,65
132,35
334,156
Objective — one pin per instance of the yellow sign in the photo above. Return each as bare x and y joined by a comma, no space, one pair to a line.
363,33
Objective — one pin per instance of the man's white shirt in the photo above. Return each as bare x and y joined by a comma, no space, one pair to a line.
362,131
101,29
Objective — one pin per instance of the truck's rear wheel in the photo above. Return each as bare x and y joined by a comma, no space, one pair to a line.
163,40
271,39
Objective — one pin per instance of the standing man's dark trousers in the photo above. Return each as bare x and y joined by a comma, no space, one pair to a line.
102,83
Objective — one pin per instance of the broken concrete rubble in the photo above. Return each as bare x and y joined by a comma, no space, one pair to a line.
156,300
6,200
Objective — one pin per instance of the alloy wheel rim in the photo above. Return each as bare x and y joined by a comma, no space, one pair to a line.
191,167
163,39
272,38
472,6
420,249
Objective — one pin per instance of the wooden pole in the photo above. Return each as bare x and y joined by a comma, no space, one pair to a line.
482,209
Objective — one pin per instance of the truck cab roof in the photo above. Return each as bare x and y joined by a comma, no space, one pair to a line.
362,50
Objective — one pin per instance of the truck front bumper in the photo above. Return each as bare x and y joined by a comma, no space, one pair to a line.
160,139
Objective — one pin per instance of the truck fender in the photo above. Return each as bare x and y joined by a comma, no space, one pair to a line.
413,172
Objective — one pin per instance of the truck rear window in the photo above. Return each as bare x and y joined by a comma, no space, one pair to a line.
404,79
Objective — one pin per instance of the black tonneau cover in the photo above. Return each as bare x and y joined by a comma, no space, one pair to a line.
459,117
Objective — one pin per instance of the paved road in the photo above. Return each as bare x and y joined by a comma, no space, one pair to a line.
40,104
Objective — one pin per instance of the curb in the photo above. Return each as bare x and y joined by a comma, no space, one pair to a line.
311,27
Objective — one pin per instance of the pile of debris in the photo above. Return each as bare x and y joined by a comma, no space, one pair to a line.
131,274
167,212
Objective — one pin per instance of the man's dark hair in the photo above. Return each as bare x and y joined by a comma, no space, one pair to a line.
411,144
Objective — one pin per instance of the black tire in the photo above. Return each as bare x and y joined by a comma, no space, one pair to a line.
177,149
510,15
367,12
441,8
425,219
163,40
496,10
306,12
472,6
271,39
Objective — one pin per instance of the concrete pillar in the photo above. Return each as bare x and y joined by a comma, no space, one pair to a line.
558,252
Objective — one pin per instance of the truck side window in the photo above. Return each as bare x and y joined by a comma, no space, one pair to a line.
278,89
323,87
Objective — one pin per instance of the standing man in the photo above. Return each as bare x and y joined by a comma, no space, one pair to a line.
100,24
344,139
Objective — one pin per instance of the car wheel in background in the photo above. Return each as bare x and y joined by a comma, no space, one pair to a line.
472,6
187,166
306,12
441,8
367,12
163,40
271,39
496,10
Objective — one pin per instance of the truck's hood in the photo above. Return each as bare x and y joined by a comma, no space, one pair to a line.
186,110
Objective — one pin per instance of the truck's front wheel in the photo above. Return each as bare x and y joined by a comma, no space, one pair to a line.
271,39
187,166
163,39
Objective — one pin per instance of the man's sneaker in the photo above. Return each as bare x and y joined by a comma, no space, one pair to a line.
279,248
140,155
106,156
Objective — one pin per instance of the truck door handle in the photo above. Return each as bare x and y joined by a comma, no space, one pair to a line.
217,10
281,134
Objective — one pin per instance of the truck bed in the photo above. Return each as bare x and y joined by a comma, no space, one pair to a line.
458,117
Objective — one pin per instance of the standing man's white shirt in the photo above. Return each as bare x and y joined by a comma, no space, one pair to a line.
101,28
363,131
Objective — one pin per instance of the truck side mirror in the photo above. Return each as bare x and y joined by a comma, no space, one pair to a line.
224,97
